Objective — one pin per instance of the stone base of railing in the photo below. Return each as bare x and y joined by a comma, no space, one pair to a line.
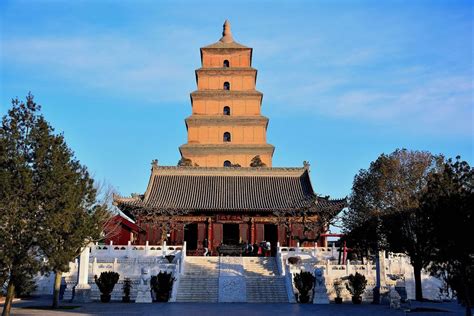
82,293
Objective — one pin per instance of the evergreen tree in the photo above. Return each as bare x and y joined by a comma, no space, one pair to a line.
72,216
48,205
19,210
449,200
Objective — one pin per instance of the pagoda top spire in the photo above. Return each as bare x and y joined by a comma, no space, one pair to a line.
226,33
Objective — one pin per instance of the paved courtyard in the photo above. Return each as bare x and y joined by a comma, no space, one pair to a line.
237,309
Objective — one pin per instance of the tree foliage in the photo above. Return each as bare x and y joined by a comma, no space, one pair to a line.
384,207
48,206
306,222
449,199
20,215
73,217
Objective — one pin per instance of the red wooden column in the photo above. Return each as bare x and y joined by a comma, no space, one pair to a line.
252,231
209,233
290,240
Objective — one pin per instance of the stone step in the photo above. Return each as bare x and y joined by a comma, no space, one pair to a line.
260,266
197,289
200,282
266,290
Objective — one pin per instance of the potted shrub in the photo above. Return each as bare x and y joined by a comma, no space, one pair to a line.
170,258
304,282
126,287
338,287
106,283
294,260
356,286
162,284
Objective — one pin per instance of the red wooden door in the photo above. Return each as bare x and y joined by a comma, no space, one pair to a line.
259,232
178,234
244,232
217,234
296,231
202,233
282,235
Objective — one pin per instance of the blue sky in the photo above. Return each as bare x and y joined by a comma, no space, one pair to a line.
343,81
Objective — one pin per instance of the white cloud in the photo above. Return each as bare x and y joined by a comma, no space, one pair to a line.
110,63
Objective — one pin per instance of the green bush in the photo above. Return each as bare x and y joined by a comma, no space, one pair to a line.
24,285
106,282
170,258
162,284
294,260
304,282
338,287
356,284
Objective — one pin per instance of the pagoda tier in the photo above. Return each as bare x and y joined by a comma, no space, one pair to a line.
226,126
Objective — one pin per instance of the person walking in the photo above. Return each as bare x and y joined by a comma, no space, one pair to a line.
268,249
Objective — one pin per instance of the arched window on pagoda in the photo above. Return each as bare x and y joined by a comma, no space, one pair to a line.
227,163
226,110
226,64
227,137
226,85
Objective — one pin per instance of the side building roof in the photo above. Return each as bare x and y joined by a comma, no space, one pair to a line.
225,189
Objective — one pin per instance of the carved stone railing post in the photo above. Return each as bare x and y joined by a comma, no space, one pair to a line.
183,258
278,258
177,278
289,284
94,266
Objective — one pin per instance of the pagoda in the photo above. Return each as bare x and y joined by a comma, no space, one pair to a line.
220,194
226,127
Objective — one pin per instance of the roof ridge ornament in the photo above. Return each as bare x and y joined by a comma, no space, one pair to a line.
306,165
226,33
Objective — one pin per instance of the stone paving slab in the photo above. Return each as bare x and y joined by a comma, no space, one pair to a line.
228,309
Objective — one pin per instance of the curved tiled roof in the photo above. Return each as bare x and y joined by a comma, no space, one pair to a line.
226,189
221,45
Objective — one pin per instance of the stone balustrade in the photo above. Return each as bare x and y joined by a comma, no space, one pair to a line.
397,271
127,260
133,251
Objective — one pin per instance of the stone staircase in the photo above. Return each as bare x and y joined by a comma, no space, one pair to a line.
266,289
199,283
260,266
264,285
